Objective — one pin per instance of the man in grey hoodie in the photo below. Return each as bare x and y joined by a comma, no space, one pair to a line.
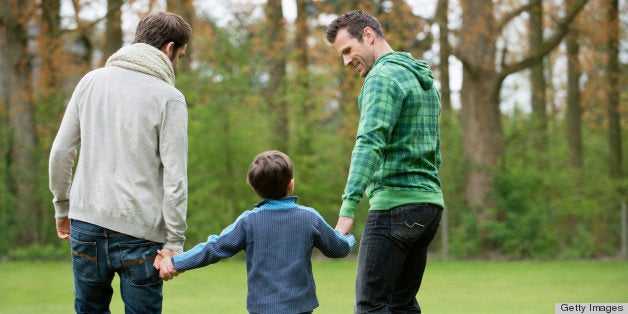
128,197
395,161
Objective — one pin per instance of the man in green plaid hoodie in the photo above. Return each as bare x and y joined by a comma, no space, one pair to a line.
395,161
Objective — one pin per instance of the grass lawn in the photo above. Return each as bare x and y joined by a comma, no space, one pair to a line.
448,287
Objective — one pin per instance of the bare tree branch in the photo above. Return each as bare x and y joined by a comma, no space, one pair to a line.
513,14
549,44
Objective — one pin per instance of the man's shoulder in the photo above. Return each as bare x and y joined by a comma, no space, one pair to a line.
144,81
384,71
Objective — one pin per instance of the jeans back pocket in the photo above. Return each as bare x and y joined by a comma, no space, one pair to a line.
408,222
137,261
84,258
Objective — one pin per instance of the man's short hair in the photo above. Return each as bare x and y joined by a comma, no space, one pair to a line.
270,174
160,28
355,21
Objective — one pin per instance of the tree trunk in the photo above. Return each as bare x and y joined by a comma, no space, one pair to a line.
186,9
84,33
17,75
482,132
50,104
481,122
306,103
574,109
441,16
442,11
276,45
49,48
613,72
537,80
113,34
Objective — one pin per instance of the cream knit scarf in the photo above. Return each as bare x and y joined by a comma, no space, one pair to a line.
144,58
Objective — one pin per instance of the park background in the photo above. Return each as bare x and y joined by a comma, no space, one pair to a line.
533,106
533,171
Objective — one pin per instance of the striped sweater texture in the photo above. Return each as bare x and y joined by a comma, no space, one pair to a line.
278,237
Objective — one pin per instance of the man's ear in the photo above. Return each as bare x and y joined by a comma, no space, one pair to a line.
168,49
368,35
291,186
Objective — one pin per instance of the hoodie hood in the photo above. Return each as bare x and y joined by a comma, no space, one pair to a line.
420,68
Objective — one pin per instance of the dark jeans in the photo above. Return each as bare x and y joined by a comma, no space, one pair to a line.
392,258
98,254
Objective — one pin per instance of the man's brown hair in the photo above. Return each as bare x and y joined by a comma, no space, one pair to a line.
160,28
355,21
270,174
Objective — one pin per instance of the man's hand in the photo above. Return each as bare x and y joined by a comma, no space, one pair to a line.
166,269
63,228
344,225
161,254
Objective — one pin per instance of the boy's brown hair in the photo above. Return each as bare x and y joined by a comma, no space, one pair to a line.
161,28
270,174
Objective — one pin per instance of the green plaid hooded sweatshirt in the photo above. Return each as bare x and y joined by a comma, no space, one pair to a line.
396,157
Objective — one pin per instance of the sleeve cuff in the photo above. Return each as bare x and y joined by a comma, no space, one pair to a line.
174,246
348,208
62,209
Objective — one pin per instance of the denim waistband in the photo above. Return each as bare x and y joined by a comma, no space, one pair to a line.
88,228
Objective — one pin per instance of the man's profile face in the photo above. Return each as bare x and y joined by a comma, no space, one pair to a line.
359,55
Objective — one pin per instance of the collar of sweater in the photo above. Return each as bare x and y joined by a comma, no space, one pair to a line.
144,58
284,203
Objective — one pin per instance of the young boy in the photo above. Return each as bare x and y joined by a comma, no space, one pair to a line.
278,236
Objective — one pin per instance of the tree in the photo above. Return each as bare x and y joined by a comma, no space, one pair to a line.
275,53
83,32
113,34
442,18
50,47
537,80
482,80
17,80
306,102
186,9
442,13
613,74
574,109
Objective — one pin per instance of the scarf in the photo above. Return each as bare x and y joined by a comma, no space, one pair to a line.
144,58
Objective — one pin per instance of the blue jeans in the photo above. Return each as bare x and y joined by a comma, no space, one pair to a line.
392,258
98,254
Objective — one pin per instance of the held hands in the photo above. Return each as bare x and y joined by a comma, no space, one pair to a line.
163,263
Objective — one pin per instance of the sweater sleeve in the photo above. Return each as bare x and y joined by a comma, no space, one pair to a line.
331,242
380,107
62,155
173,148
230,241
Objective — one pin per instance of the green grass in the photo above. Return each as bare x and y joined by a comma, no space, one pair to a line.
448,287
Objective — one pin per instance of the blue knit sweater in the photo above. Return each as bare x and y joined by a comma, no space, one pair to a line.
278,237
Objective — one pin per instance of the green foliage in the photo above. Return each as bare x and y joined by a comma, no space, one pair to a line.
49,252
7,195
545,208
